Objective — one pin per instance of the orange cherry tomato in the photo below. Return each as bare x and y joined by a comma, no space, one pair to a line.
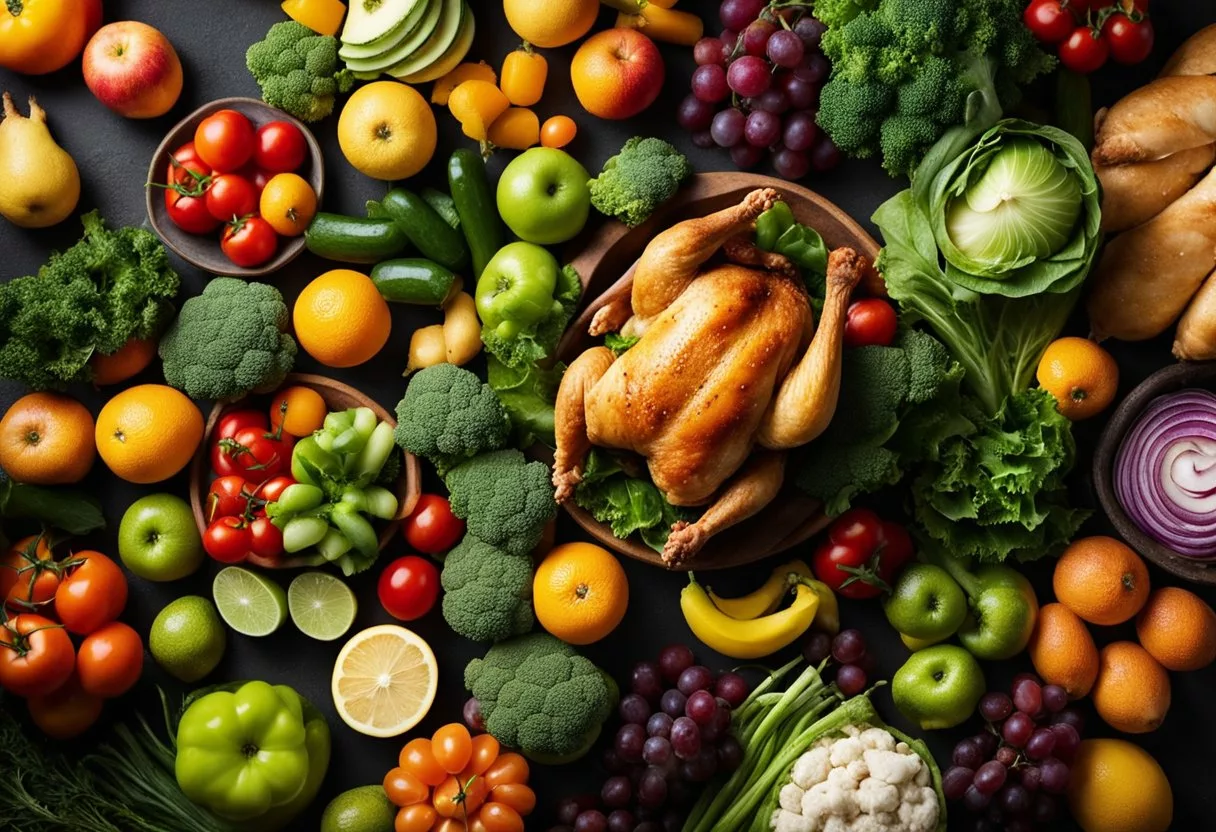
452,802
452,747
417,818
110,660
449,825
475,824
508,768
516,795
558,131
404,789
484,753
499,817
419,760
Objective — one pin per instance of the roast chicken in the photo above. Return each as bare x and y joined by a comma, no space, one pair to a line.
729,372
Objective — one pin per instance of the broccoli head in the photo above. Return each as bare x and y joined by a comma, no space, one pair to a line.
448,415
505,499
636,181
298,70
539,695
487,594
229,341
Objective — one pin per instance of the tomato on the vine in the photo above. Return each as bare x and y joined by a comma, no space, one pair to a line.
228,540
186,197
1049,20
92,593
272,488
252,453
1130,41
418,758
228,497
26,574
508,768
225,140
110,660
403,788
862,555
431,527
280,147
870,322
249,242
408,589
1084,51
36,655
231,196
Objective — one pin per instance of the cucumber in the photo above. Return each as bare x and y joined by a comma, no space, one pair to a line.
406,47
414,280
443,205
408,25
476,206
354,239
436,46
374,21
428,231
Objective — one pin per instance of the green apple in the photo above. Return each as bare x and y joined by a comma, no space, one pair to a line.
1004,610
157,538
926,603
543,196
515,290
938,687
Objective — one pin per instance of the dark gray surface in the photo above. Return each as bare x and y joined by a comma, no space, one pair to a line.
211,36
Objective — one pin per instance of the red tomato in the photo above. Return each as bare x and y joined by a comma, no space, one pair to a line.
228,540
259,178
227,497
871,322
265,539
230,197
93,593
249,242
408,588
187,183
224,455
110,660
862,554
1083,52
225,140
1130,41
28,576
188,153
280,147
252,453
273,487
67,712
431,527
36,655
1049,21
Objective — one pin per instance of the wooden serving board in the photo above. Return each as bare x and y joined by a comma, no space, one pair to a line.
604,260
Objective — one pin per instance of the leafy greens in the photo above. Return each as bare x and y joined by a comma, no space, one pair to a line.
628,504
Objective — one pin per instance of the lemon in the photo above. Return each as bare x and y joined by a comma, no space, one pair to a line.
387,131
321,606
1118,787
249,603
384,681
187,638
363,809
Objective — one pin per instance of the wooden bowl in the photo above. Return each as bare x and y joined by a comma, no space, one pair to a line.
1168,380
203,250
337,396
603,261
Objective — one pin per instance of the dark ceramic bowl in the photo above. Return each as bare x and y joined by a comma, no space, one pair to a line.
203,250
1168,380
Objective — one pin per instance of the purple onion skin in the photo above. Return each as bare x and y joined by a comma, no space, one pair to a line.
1168,457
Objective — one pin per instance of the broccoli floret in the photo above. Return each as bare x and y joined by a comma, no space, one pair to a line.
852,113
836,474
929,364
448,415
487,593
505,499
636,181
298,70
229,341
840,12
539,695
934,92
903,139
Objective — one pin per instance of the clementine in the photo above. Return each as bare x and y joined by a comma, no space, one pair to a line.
1062,650
1178,629
1132,693
580,592
1081,376
1101,579
148,433
341,319
132,357
47,439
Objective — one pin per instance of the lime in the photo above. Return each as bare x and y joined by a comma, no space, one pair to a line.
188,638
365,809
321,606
249,603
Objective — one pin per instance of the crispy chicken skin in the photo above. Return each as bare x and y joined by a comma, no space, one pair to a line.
728,360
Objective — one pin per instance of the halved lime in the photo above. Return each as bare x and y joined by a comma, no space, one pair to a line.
249,603
322,606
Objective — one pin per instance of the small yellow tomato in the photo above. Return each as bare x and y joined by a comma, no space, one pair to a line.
288,204
558,131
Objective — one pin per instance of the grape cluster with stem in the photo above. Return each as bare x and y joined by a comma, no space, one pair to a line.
1013,773
756,88
674,735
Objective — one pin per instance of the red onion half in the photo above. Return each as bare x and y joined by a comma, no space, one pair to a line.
1165,472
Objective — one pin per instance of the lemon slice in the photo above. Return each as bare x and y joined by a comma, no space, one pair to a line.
384,681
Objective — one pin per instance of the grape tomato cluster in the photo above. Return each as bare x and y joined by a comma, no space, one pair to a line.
1087,33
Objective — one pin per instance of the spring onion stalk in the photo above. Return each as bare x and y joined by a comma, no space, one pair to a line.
300,532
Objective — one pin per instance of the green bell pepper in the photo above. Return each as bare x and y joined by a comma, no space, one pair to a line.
253,753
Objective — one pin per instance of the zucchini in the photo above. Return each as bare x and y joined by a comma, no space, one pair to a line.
354,239
414,280
443,205
428,231
476,206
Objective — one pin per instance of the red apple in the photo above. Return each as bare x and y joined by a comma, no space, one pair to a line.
617,73
133,69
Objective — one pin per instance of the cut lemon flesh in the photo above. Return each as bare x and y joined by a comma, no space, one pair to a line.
384,681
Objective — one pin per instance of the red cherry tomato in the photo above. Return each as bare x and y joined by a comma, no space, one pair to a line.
188,153
1130,41
409,587
231,196
249,242
255,453
67,712
227,540
93,593
224,454
431,527
862,554
258,178
1049,21
1082,52
225,140
36,655
187,183
265,539
227,497
280,147
273,487
871,322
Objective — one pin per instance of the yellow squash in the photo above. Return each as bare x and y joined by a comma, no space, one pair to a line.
752,639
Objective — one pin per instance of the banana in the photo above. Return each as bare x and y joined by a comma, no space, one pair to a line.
764,600
747,639
828,617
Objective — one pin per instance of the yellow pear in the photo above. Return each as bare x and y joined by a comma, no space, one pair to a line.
39,182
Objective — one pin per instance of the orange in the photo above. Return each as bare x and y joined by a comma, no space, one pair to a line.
1115,786
1178,629
131,358
1102,580
46,439
547,24
148,433
305,412
340,318
1081,375
1132,693
580,592
1062,650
